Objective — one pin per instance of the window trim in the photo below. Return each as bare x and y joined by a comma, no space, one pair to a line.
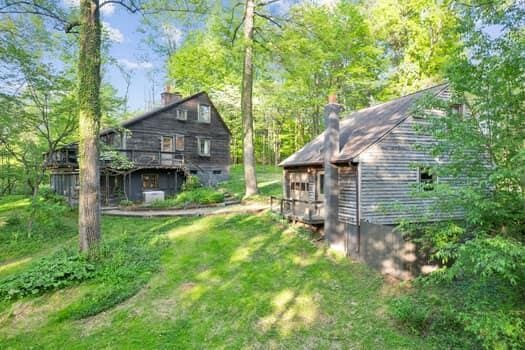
199,113
181,111
199,139
162,143
183,142
155,176
320,184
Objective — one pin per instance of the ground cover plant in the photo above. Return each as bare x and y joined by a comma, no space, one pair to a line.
236,281
268,180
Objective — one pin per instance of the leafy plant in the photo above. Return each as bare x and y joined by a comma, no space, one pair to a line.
191,183
54,272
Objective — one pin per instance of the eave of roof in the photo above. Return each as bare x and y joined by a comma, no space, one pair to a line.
390,113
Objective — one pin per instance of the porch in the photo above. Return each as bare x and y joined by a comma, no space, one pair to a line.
308,212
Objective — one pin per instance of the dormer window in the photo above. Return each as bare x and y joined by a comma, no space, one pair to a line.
182,114
204,114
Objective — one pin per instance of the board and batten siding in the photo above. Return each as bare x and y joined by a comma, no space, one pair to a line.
389,174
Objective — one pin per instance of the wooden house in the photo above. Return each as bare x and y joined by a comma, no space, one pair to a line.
155,151
358,178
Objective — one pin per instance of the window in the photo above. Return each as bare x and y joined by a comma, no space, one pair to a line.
193,172
204,113
182,114
426,179
150,181
300,186
457,108
167,144
217,172
179,142
320,183
204,147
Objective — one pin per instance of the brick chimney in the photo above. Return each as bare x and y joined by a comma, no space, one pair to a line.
168,97
332,228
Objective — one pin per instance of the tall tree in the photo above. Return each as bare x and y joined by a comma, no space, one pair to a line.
89,124
246,101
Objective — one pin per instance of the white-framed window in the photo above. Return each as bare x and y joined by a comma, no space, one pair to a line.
204,146
182,114
166,144
204,113
179,142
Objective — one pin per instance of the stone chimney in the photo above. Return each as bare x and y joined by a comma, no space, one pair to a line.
332,228
168,97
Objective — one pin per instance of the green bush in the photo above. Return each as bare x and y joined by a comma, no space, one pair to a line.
191,183
122,269
54,272
475,302
198,196
126,203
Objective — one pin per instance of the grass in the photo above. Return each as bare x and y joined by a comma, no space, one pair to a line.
230,282
269,181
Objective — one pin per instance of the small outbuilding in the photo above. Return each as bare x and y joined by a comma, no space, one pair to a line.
357,180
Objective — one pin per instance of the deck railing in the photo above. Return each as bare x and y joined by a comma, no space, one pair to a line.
68,157
297,209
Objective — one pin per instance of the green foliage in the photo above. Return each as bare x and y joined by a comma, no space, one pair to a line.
125,203
58,271
191,183
198,196
122,268
115,159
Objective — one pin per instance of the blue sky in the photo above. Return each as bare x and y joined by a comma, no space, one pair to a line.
129,50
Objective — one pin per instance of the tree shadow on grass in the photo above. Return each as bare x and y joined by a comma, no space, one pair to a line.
240,281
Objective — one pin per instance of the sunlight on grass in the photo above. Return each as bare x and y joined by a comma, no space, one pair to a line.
290,312
243,253
12,203
14,264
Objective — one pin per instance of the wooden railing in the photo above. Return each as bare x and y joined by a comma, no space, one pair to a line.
68,157
143,158
297,209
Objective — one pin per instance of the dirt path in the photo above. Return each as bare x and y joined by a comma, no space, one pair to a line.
250,208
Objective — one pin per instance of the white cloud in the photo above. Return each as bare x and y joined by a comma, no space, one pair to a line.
107,9
135,65
114,34
173,34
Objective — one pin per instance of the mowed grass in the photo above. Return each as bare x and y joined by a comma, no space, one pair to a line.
269,181
226,282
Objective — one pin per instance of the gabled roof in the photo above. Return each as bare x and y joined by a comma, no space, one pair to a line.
155,111
361,129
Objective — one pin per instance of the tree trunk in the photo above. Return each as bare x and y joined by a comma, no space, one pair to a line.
89,125
246,102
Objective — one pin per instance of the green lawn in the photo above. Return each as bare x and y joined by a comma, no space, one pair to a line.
269,181
230,282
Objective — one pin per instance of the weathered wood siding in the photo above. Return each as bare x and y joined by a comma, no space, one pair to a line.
147,134
389,174
348,194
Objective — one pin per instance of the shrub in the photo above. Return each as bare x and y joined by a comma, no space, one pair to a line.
54,272
191,183
476,302
202,195
126,203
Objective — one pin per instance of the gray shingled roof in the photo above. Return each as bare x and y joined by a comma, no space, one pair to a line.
360,130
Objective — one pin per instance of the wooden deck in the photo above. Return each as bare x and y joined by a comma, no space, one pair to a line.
308,212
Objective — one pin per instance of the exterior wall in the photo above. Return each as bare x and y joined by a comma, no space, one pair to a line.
147,134
348,200
384,248
308,175
389,174
66,184
170,181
